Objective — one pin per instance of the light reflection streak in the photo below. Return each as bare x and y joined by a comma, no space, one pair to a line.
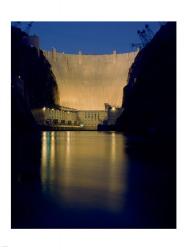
113,146
52,156
68,144
47,157
67,164
116,184
44,157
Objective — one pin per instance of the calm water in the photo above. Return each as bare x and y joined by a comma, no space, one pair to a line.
88,180
85,170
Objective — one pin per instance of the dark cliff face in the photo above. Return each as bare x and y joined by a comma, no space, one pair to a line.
149,99
34,70
33,83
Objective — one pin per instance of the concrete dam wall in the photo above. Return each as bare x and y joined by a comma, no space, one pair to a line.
86,82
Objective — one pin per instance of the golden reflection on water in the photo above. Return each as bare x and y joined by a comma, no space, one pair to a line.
84,169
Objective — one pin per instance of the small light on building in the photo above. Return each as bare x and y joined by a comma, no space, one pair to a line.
81,125
68,112
113,108
43,108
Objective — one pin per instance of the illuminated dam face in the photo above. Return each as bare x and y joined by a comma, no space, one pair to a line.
86,82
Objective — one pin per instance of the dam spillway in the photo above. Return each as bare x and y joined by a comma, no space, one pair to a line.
87,82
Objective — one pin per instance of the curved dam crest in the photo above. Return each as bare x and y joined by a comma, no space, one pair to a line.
86,82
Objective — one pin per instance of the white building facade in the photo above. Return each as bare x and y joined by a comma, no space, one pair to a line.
66,118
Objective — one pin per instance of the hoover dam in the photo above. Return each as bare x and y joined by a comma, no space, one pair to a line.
87,82
90,89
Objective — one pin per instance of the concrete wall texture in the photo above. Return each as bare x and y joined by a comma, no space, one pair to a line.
86,82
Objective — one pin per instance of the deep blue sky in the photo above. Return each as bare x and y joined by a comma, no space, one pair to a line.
89,37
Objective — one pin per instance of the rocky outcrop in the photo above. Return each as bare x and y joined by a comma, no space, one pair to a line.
149,99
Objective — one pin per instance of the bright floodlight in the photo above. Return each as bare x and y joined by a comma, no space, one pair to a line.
43,108
113,108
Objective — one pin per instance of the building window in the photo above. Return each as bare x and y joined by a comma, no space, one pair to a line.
69,122
55,121
48,121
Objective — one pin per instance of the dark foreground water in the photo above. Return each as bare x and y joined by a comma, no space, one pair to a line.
90,180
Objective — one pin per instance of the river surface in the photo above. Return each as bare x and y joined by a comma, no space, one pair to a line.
88,179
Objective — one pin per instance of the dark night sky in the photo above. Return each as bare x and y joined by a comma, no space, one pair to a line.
89,37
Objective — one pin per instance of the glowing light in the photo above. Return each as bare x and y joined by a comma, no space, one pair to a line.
52,135
44,108
81,125
113,108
